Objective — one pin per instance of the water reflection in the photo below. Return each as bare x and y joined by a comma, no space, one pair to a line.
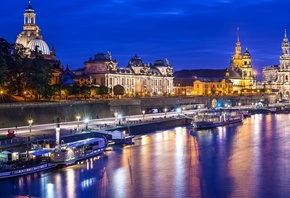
251,159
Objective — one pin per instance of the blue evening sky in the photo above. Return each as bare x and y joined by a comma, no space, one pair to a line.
191,34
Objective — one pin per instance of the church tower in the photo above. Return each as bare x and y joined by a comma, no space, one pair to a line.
285,58
30,37
30,29
237,58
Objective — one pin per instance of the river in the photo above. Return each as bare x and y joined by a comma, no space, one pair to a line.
251,159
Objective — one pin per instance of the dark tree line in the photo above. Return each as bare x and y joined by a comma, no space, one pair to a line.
18,73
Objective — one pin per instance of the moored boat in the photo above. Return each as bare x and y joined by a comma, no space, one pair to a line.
72,152
216,118
48,158
35,161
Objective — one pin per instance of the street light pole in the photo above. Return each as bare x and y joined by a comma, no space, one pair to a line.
165,111
143,112
87,123
78,119
30,121
116,117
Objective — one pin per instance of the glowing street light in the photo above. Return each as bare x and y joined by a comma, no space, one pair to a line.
178,110
143,112
78,117
30,121
119,119
165,111
116,117
87,123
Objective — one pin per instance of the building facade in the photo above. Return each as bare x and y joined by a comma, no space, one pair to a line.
240,71
137,79
212,87
32,41
278,76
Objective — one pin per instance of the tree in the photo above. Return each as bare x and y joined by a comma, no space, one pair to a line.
16,63
103,90
86,91
119,90
38,76
5,53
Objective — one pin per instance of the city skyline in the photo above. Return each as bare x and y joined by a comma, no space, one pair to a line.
191,35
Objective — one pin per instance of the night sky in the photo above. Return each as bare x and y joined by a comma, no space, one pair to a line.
191,34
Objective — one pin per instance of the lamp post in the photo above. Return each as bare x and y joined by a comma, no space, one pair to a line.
178,111
78,119
87,123
143,112
119,119
165,111
30,121
116,117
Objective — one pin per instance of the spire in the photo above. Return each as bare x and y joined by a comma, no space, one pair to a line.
29,7
285,39
285,46
238,34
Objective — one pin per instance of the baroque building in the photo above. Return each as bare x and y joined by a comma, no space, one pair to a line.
240,71
137,79
278,76
32,40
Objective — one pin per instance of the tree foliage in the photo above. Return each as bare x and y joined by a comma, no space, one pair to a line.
38,77
5,51
119,90
103,90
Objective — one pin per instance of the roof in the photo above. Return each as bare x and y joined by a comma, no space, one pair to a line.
40,45
136,61
84,142
234,72
200,73
183,81
40,152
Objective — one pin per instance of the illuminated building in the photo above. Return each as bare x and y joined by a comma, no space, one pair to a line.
212,87
278,76
137,79
32,40
202,82
240,71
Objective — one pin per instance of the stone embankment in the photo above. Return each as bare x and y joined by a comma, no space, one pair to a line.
17,114
24,141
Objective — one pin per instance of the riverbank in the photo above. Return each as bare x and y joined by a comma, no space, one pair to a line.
24,141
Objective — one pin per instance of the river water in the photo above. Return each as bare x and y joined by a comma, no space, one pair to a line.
251,159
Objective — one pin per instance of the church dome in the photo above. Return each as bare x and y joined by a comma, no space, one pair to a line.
40,45
247,54
136,61
159,63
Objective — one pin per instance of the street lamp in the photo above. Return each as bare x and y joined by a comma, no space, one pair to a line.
87,123
30,121
143,112
78,117
119,119
165,111
178,111
116,117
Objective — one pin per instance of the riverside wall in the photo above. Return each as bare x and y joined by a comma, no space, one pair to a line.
17,114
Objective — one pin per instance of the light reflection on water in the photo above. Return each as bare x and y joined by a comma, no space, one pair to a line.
244,160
